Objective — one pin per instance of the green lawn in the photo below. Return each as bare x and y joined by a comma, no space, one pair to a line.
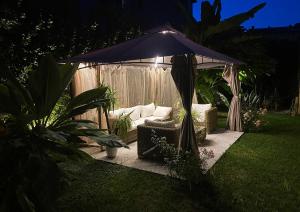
261,172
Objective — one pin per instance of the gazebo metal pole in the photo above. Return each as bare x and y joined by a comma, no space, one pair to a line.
107,121
99,109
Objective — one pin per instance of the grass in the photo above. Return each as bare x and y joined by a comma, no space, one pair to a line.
261,172
105,187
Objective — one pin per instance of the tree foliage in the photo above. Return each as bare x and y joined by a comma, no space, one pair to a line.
229,37
30,30
212,88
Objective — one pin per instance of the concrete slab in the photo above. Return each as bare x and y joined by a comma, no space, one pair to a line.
218,142
129,158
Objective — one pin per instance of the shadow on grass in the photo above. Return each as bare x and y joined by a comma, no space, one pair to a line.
100,186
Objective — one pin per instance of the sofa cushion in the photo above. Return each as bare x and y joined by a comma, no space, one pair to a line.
147,110
155,118
200,117
201,107
116,113
162,124
135,112
162,112
135,123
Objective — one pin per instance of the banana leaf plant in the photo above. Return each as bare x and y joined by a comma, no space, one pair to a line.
229,36
211,24
212,88
31,138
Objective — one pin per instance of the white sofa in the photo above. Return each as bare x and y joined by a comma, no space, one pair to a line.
138,115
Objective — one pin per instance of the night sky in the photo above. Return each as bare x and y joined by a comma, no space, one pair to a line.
275,13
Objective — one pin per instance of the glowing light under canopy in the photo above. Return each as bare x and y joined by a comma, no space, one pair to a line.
167,31
158,60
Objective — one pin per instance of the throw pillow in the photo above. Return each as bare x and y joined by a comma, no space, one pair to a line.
147,110
116,113
135,112
163,112
201,107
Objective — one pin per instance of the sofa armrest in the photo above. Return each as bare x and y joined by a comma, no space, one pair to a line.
144,134
211,119
167,129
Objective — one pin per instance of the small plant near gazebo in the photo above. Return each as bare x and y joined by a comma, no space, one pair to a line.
112,146
122,125
120,128
195,116
251,112
183,165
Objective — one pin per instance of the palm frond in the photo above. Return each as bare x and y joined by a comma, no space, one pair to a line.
223,98
90,96
234,21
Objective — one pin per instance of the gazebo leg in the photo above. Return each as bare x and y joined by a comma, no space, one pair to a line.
107,121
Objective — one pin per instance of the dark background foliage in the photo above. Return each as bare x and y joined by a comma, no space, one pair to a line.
31,29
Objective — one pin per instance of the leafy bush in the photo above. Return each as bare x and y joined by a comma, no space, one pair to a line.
33,140
212,88
251,113
182,112
60,106
122,125
182,164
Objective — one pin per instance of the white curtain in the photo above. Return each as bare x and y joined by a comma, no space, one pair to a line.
83,80
135,85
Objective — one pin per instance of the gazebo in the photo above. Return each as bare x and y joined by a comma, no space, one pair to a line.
164,48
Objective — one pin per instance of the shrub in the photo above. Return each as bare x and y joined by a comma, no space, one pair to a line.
182,112
251,112
37,131
122,125
183,164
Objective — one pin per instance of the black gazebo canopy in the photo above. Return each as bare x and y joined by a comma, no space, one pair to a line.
165,46
162,43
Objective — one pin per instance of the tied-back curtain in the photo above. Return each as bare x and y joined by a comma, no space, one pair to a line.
234,122
183,73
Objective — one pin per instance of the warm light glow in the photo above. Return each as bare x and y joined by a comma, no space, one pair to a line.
81,65
158,60
167,31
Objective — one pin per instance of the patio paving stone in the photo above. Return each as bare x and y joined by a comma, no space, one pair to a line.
218,142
